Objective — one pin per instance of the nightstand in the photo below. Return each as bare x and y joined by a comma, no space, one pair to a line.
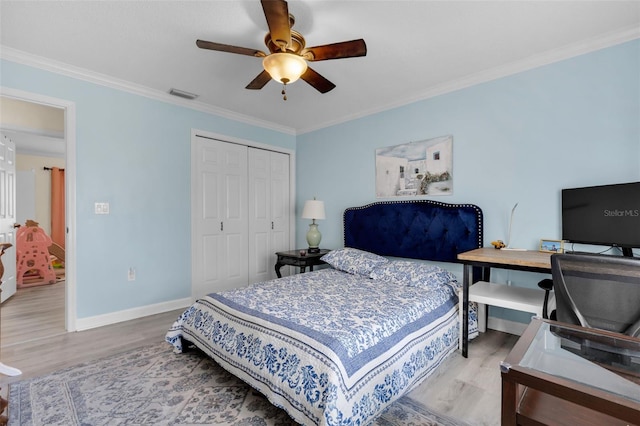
294,258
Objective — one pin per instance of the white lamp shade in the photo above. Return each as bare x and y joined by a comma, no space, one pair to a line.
313,209
284,67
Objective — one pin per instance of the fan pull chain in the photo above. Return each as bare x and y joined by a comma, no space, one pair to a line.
284,92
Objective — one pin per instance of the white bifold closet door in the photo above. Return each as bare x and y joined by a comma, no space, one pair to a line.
268,211
241,214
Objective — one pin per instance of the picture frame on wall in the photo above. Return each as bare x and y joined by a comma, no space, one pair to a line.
551,246
414,169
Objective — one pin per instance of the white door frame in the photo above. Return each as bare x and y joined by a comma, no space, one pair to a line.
224,138
70,191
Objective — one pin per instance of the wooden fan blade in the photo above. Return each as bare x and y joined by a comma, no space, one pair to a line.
228,48
260,81
345,49
320,83
277,14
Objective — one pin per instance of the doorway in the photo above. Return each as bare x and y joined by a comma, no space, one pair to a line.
38,147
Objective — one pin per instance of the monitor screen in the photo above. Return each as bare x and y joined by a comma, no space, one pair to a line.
602,215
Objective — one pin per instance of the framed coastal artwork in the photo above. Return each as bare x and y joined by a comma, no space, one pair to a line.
415,168
552,246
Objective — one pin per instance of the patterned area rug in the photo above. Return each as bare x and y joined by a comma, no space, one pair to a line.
154,386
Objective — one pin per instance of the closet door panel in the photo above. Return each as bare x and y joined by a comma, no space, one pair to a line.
280,201
212,247
220,222
259,226
234,226
209,245
259,213
261,267
236,269
234,203
269,215
210,207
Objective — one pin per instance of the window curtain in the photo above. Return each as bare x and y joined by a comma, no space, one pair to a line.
57,206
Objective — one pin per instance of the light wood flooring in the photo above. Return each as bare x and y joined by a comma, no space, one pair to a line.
467,389
40,310
470,388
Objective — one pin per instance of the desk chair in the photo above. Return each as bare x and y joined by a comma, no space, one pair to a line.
598,291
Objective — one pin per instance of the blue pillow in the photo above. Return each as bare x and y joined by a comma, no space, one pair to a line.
413,274
353,261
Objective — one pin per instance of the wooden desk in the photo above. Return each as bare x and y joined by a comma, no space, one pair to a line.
487,258
563,374
526,260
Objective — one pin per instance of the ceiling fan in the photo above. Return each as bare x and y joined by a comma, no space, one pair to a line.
287,59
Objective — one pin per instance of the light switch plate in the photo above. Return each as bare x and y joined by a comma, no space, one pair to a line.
102,208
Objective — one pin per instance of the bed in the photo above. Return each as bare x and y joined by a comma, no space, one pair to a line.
338,345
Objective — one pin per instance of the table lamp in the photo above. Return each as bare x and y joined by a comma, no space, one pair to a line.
313,209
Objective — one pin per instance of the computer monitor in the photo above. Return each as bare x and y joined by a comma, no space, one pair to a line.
603,215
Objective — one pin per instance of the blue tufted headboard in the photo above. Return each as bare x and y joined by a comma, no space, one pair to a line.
416,229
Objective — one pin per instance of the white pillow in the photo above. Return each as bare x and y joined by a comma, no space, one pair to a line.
353,261
413,274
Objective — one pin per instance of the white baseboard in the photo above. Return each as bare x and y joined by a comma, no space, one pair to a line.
130,314
506,326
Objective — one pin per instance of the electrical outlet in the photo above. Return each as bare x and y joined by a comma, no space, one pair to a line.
131,275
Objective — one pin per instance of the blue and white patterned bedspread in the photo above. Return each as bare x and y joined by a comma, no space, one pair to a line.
329,347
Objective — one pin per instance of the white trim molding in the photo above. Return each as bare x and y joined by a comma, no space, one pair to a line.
556,55
546,58
131,314
50,65
70,193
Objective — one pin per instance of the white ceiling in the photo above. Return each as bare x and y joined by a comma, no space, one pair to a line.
416,49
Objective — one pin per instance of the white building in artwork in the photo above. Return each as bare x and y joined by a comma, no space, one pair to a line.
401,169
388,175
439,158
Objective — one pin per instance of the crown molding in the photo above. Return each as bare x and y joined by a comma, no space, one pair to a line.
546,58
24,58
536,61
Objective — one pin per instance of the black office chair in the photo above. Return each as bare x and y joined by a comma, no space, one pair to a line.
597,291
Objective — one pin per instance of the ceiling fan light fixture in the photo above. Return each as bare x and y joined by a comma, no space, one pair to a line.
284,67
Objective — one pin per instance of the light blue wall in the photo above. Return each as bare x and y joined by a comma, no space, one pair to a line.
517,139
134,153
